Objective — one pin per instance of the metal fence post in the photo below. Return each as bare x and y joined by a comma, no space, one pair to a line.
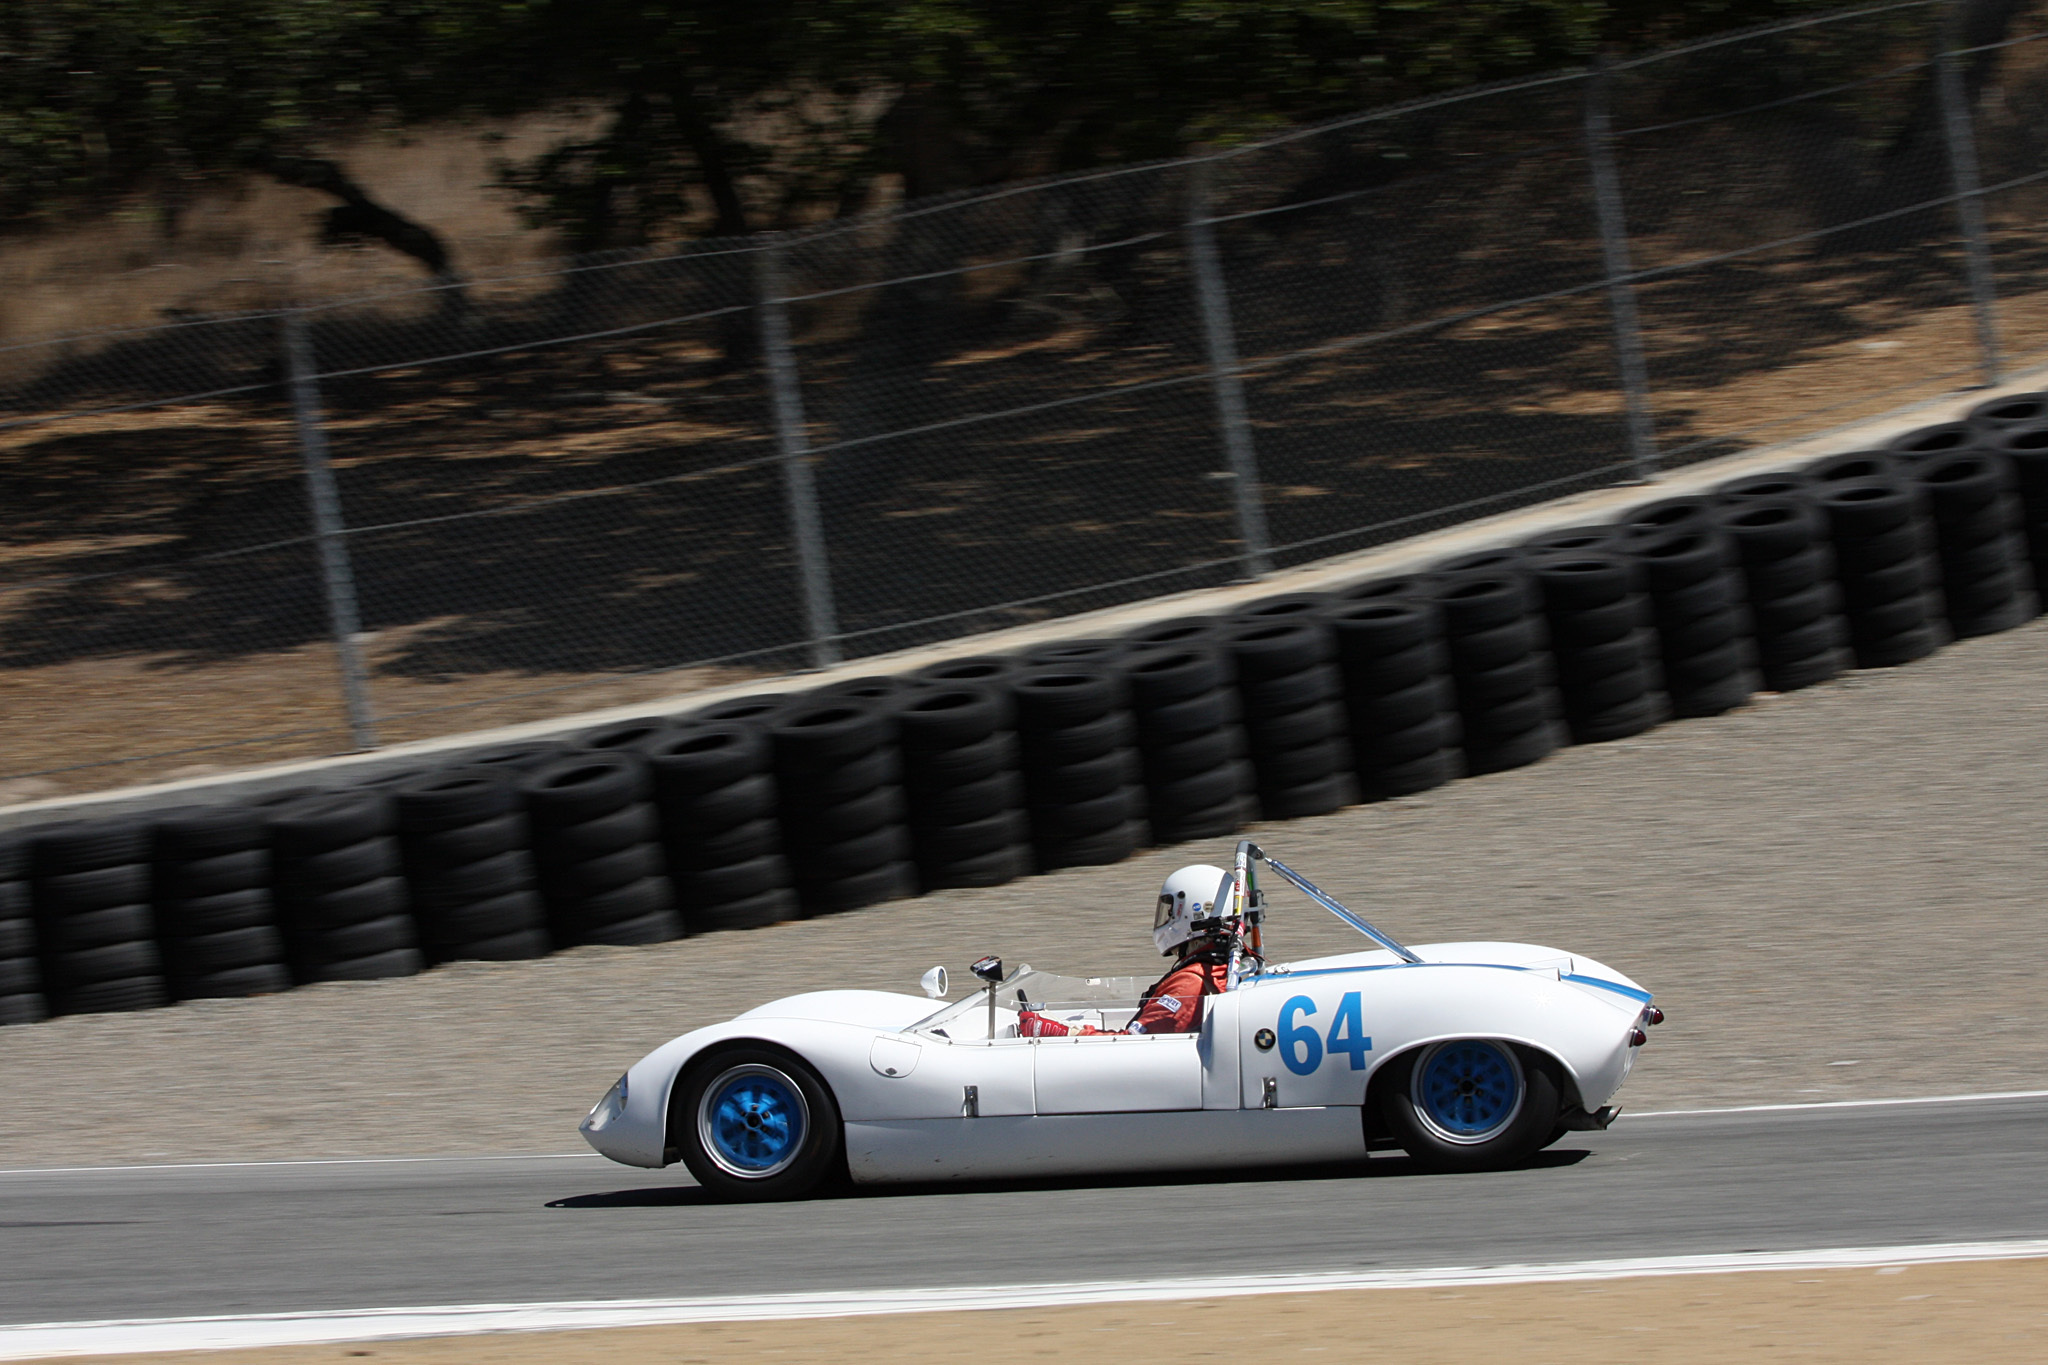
1621,291
1221,344
324,504
1962,169
807,527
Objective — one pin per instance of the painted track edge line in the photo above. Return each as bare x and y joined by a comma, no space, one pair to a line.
1794,1106
42,1341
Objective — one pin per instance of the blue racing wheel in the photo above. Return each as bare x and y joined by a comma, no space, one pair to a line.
755,1123
1470,1104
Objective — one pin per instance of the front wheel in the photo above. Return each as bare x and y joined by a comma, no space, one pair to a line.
1472,1104
754,1123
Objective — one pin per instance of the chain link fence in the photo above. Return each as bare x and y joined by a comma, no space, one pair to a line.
361,521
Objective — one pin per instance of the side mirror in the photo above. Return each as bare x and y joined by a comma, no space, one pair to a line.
934,982
989,969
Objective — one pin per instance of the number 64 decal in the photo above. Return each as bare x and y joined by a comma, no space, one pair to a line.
1302,1049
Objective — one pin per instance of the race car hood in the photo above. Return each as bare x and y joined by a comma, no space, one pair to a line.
1579,970
865,1009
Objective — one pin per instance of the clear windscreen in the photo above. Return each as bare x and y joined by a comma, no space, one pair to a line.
1106,1002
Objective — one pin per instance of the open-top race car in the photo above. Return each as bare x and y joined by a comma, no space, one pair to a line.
1465,1055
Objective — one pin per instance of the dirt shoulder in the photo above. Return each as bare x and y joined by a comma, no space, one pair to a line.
1930,1315
1835,894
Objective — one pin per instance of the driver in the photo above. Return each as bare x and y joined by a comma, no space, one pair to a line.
1187,926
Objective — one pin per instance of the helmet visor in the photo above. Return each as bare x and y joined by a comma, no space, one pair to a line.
1163,914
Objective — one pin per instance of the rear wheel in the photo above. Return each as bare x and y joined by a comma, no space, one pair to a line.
1472,1104
754,1123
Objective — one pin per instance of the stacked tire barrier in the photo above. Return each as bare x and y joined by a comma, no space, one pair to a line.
215,919
340,888
2027,449
974,771
1400,704
89,888
1692,578
1987,584
468,857
714,791
1191,746
837,778
1603,662
1788,573
597,851
1885,565
1292,695
1076,739
965,792
1494,637
21,977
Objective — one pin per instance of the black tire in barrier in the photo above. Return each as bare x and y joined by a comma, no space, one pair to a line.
1669,514
338,880
1075,651
1973,499
597,852
1788,572
467,849
1292,694
1885,565
516,758
1506,714
1414,587
837,763
2027,449
967,825
1285,606
89,891
623,734
715,796
1699,604
210,887
981,668
886,689
2014,412
762,708
1196,777
1943,438
21,975
1779,484
1578,540
1853,466
1399,700
1594,611
1067,716
1178,632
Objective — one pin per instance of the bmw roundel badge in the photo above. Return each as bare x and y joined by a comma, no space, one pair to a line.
1263,1040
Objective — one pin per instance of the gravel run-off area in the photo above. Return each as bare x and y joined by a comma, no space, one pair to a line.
1836,893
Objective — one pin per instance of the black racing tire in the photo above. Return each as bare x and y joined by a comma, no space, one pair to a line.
448,933
1092,850
1274,648
1078,819
1087,780
584,787
888,691
853,857
454,799
1279,769
1751,487
105,962
309,826
755,912
699,757
377,967
212,875
1320,797
1855,466
991,669
116,996
601,837
827,735
1290,692
516,759
233,983
829,786
85,845
1054,748
1163,676
197,833
1211,822
736,882
1200,714
739,844
1063,698
1504,559
851,818
891,881
734,1164
1498,751
975,762
1426,773
656,926
2014,412
1904,647
1414,587
1940,439
72,894
1473,602
1671,514
517,945
971,839
349,865
1194,754
1440,1128
470,843
1320,723
998,868
324,909
1371,630
1283,606
1790,573
949,716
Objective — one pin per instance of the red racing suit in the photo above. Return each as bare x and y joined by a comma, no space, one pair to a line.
1173,1005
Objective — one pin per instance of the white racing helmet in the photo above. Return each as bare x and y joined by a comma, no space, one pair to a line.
1190,905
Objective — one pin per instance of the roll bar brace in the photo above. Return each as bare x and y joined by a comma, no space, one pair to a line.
1249,853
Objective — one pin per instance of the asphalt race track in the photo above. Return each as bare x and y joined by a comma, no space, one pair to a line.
142,1242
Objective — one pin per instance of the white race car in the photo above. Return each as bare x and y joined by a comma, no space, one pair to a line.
1466,1055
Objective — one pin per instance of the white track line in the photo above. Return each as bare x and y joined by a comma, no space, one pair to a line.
55,1339
1844,1104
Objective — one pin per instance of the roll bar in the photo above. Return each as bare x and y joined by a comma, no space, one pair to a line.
1249,852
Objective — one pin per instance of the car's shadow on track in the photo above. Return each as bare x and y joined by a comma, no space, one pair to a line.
1378,1168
